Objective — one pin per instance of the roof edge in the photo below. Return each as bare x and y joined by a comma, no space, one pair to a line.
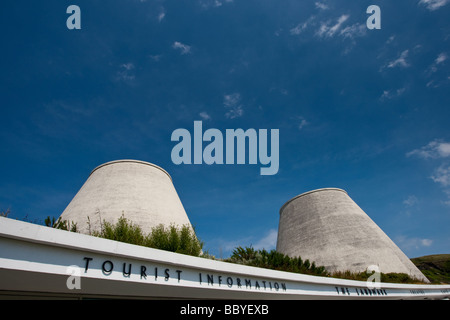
132,161
308,192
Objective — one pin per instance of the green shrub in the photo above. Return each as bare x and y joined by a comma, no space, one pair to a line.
175,239
181,240
275,260
122,230
60,224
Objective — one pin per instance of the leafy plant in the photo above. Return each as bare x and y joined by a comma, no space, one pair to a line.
275,260
181,240
176,239
60,224
5,213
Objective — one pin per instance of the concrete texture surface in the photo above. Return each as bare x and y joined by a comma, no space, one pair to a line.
141,191
328,227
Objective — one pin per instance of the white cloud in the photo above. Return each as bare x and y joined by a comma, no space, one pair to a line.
441,58
232,103
435,149
300,122
125,72
353,31
411,201
299,28
204,115
156,57
434,4
184,48
400,62
434,66
322,6
412,243
442,175
268,242
161,16
302,26
391,38
326,30
391,94
447,202
206,4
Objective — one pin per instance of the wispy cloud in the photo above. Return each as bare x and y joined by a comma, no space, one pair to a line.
433,150
441,58
206,4
353,31
233,104
125,72
161,15
400,61
301,26
437,150
329,29
436,80
411,244
322,6
442,175
300,122
410,201
391,94
268,241
204,115
184,48
433,4
156,57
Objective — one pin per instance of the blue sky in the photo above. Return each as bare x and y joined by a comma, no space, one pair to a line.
362,110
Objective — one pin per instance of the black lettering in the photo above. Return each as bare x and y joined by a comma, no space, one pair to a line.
105,270
238,281
264,283
257,285
283,285
230,282
87,263
248,283
220,280
276,286
126,273
156,273
200,277
210,279
166,272
143,272
179,274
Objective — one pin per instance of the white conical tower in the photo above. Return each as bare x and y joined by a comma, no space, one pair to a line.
141,191
326,226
